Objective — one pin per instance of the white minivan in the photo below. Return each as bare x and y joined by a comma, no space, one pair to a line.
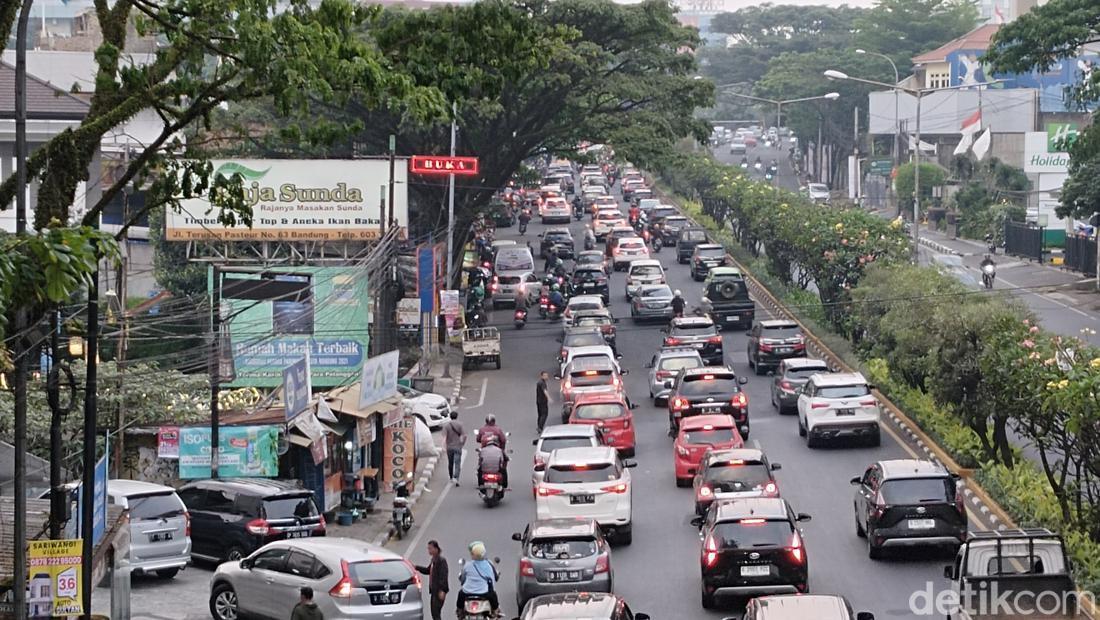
160,526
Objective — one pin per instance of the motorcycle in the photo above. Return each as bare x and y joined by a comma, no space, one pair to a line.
476,607
553,312
402,517
521,318
657,241
544,306
476,317
578,211
759,166
989,272
522,226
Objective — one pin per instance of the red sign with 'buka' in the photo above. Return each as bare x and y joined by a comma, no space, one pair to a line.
432,164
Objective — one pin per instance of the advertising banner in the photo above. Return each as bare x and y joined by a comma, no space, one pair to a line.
99,502
296,387
309,425
364,431
451,307
397,450
379,379
1038,156
54,578
298,200
168,442
243,451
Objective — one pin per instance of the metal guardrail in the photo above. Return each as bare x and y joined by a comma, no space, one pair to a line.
1080,254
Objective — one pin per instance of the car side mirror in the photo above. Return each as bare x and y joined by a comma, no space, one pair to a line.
771,373
516,536
640,616
777,466
871,387
633,406
534,442
949,571
624,371
630,464
803,517
742,380
865,615
615,320
856,480
246,563
697,521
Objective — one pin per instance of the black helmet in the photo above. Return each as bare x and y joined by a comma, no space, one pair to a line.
491,420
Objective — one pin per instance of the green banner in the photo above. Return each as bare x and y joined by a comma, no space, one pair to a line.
244,451
882,167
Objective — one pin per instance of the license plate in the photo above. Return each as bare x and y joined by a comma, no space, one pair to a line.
161,536
589,284
756,571
298,534
561,575
922,524
731,319
385,598
698,345
582,499
783,349
845,411
711,410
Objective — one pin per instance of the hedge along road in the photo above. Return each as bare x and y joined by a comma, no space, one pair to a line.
659,573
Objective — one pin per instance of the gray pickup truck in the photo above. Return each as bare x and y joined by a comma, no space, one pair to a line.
1011,574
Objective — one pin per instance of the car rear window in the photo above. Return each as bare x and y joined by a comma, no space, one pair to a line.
599,411
805,373
659,212
645,270
584,340
585,305
679,363
749,533
781,332
588,274
556,443
557,236
632,244
657,291
562,548
591,321
699,385
739,477
509,279
289,507
712,252
842,391
676,220
573,474
608,215
590,378
380,572
514,260
917,490
155,506
694,329
710,438
694,235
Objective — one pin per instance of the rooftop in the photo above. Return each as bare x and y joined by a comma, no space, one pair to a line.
977,39
44,101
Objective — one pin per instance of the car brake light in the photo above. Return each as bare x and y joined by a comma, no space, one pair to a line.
880,506
868,403
819,405
711,554
526,568
342,589
715,340
679,403
786,385
258,527
590,373
960,502
662,374
682,451
626,423
539,461
740,400
670,341
764,347
603,564
796,547
415,573
705,491
491,477
547,492
187,524
616,488
321,525
771,489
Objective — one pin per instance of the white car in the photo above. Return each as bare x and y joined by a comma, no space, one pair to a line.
838,405
605,220
588,483
596,350
557,436
628,249
555,210
581,303
817,192
432,409
642,272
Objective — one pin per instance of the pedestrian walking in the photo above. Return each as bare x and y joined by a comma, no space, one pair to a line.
542,399
455,437
306,609
437,573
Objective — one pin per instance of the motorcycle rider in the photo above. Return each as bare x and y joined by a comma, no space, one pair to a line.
677,304
478,578
492,460
491,430
758,163
556,298
988,265
524,220
577,208
551,259
635,212
744,162
589,237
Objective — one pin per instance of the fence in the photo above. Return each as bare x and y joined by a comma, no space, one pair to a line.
1080,254
1024,240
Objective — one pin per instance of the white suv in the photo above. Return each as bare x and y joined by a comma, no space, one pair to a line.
556,437
643,271
837,405
588,483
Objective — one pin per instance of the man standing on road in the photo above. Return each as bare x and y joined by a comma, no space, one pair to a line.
436,570
306,609
542,399
455,437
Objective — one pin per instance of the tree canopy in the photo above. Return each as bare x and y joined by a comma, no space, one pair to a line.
902,29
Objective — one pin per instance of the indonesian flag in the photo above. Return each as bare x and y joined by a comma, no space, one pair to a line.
998,14
970,126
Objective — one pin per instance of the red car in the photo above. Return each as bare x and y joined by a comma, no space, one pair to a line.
610,412
697,435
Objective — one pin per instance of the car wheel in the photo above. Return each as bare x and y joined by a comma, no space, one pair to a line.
801,427
167,573
758,369
498,362
876,439
811,441
683,482
223,603
707,598
873,552
234,554
859,526
625,537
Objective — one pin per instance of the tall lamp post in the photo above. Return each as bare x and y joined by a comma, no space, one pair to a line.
919,93
897,116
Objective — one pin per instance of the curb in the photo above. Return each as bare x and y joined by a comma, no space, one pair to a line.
939,247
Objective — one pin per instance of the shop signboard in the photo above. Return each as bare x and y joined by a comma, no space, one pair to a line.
433,165
168,442
296,387
243,451
298,200
397,450
882,166
54,578
379,379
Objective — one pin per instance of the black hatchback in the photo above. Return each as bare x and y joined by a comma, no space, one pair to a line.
232,517
686,242
752,547
707,391
591,281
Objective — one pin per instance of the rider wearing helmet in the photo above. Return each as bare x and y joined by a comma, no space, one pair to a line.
551,259
491,430
492,460
479,579
556,297
677,304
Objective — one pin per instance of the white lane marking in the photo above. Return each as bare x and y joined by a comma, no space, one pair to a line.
1050,299
756,444
481,399
415,542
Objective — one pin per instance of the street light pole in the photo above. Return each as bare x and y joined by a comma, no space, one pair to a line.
451,200
916,187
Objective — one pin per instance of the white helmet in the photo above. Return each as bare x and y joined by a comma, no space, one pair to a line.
676,292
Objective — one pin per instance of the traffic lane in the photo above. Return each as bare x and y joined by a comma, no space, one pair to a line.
786,178
814,481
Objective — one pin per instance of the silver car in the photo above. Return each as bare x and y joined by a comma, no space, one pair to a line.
664,366
789,378
350,579
160,539
562,555
506,283
653,301
561,436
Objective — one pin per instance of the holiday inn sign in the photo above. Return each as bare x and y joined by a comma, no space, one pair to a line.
1045,151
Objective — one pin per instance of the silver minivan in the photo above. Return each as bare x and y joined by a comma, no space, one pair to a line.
160,526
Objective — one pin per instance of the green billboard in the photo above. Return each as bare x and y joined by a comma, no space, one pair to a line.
328,322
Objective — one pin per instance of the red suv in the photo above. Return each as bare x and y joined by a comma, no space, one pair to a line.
611,414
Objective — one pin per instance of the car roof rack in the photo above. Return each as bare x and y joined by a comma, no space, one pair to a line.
1017,532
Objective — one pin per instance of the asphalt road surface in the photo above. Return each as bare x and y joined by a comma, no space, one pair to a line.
659,573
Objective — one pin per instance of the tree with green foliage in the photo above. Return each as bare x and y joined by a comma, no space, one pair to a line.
931,175
902,29
1048,34
991,194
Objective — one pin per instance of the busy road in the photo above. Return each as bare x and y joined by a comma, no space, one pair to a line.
659,573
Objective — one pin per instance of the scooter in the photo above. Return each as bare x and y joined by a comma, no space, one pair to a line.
989,272
578,212
521,317
476,607
402,518
553,312
657,241
476,317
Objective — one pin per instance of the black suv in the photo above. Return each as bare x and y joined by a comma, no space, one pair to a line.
907,503
686,242
726,298
772,341
736,473
591,281
697,333
752,546
559,237
706,391
232,517
704,257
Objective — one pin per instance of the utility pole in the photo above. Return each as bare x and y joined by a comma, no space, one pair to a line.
451,200
916,186
855,152
215,366
19,441
59,501
393,154
91,404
